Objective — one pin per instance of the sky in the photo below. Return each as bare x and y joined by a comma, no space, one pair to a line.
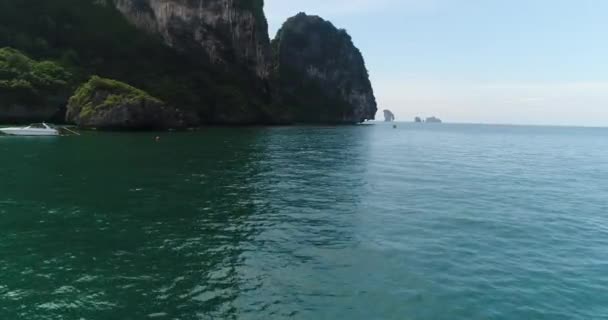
477,61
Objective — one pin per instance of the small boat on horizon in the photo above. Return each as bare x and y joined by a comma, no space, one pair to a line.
35,129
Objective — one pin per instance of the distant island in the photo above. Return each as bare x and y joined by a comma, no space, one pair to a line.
145,64
428,120
389,116
433,120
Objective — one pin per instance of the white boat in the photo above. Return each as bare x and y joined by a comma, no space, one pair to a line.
36,129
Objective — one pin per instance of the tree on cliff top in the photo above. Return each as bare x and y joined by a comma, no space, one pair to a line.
28,82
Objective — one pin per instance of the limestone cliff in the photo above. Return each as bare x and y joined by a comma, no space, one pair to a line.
228,36
212,59
319,73
226,31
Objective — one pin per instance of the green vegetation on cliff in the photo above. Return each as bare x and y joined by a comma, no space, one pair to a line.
30,83
119,93
110,104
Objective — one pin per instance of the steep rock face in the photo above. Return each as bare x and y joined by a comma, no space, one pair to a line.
230,38
320,75
227,31
109,104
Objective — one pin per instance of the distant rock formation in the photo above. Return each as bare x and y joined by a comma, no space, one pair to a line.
388,116
433,120
109,104
418,120
320,74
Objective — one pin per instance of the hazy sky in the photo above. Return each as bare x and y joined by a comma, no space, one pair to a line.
489,61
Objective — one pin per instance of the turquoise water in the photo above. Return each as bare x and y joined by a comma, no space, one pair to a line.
362,222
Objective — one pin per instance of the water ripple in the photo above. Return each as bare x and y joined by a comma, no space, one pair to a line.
364,222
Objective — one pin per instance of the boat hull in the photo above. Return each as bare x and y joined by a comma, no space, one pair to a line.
29,132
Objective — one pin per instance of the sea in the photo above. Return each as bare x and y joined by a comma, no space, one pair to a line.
421,221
